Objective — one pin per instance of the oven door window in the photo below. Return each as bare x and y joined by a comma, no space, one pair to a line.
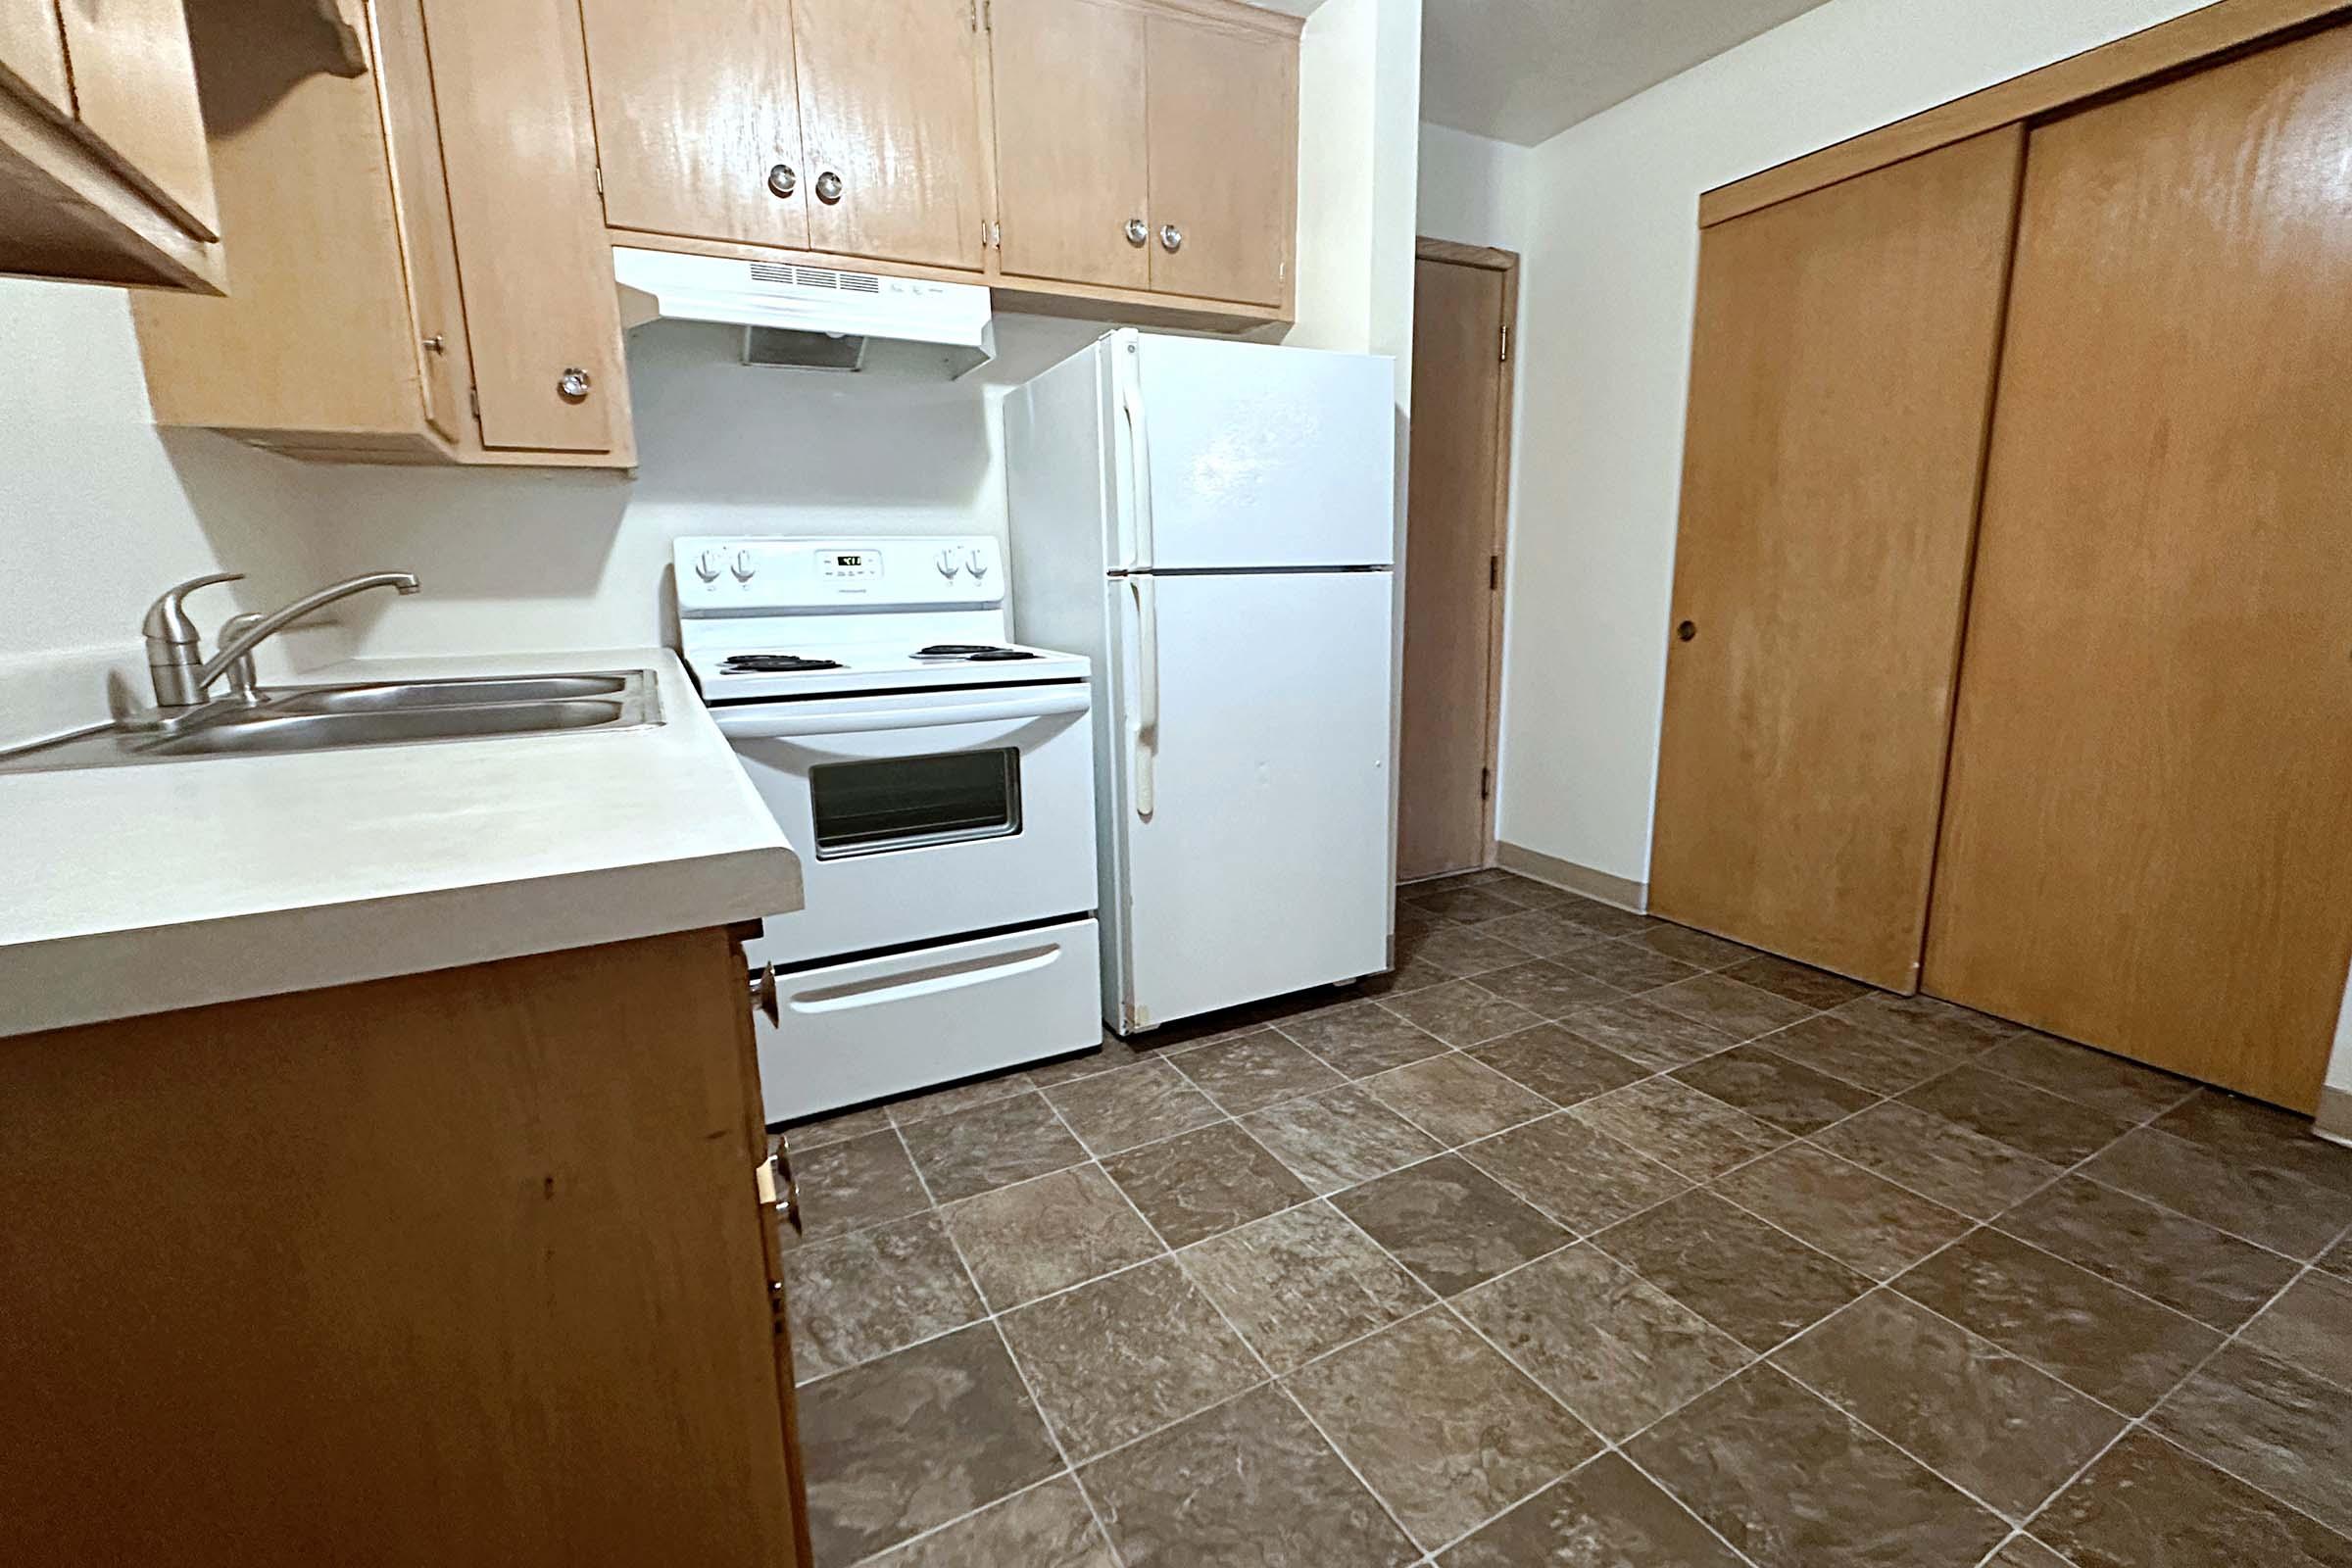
904,802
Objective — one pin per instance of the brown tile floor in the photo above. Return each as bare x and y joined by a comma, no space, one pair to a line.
1582,1240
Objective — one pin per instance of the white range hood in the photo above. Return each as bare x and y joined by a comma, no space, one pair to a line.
814,317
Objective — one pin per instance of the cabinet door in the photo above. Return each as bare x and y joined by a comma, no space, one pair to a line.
2150,830
32,54
421,207
890,109
1845,353
536,269
134,96
1224,139
698,120
1071,170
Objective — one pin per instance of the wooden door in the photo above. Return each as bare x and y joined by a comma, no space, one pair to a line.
1844,351
1453,563
2149,831
1071,170
698,119
32,54
135,97
890,107
511,86
1223,118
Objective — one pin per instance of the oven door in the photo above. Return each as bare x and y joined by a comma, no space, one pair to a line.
924,814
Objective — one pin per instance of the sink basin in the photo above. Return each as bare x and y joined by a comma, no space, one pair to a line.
320,718
320,732
399,696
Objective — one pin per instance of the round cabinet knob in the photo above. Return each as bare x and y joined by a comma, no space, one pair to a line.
743,565
782,181
828,187
1171,238
572,385
1137,231
706,565
975,562
1686,630
948,566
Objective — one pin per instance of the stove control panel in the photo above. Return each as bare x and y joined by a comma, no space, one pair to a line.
749,575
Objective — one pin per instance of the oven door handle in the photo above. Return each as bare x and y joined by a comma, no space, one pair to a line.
787,721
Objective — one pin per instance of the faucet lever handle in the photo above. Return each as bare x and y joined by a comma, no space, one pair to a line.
166,619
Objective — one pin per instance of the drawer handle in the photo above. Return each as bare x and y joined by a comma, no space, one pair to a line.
782,181
762,994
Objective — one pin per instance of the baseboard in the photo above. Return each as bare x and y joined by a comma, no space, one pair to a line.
1622,892
2335,1122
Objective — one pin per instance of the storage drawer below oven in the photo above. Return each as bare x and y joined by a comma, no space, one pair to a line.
873,1027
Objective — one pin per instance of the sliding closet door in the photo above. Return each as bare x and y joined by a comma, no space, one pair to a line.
2147,843
1844,356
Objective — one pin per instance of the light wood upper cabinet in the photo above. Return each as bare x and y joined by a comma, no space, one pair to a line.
104,172
700,140
889,115
1224,140
32,55
424,263
1075,208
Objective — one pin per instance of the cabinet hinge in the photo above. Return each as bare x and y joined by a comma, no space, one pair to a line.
992,232
1486,783
474,401
1494,574
600,179
1505,355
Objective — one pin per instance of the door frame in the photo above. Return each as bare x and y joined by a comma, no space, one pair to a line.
1491,259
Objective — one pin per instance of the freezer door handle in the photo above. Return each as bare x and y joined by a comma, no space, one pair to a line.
1139,468
1143,711
785,721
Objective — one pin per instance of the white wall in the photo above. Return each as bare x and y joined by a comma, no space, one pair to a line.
1475,189
1605,338
99,513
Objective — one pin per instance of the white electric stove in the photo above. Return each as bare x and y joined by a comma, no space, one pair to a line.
938,783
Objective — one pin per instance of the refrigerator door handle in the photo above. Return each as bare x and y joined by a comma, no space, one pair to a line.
1139,467
1142,710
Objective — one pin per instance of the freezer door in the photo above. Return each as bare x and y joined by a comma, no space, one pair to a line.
1259,454
1252,783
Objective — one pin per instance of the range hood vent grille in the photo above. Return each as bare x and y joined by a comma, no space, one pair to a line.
815,277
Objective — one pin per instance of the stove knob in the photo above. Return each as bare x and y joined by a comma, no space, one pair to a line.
743,567
977,563
948,566
706,565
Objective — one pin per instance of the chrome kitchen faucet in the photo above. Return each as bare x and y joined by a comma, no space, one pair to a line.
175,659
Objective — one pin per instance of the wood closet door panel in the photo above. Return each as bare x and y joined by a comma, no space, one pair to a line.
1844,351
2149,832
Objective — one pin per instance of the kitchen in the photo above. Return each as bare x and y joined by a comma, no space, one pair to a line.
1075,1255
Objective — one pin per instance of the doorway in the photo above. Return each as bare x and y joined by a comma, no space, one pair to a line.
1465,300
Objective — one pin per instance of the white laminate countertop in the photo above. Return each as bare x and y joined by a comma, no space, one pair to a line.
138,890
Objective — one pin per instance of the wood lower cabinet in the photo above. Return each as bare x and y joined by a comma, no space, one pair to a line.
105,176
2149,831
468,1267
1818,585
422,273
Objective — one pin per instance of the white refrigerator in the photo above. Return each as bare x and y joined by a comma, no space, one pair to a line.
1214,524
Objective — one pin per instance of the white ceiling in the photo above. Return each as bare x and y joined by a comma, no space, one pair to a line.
1524,71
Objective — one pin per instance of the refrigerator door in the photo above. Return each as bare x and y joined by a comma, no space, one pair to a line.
1251,786
1255,455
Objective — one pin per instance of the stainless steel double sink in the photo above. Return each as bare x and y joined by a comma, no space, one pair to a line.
320,718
